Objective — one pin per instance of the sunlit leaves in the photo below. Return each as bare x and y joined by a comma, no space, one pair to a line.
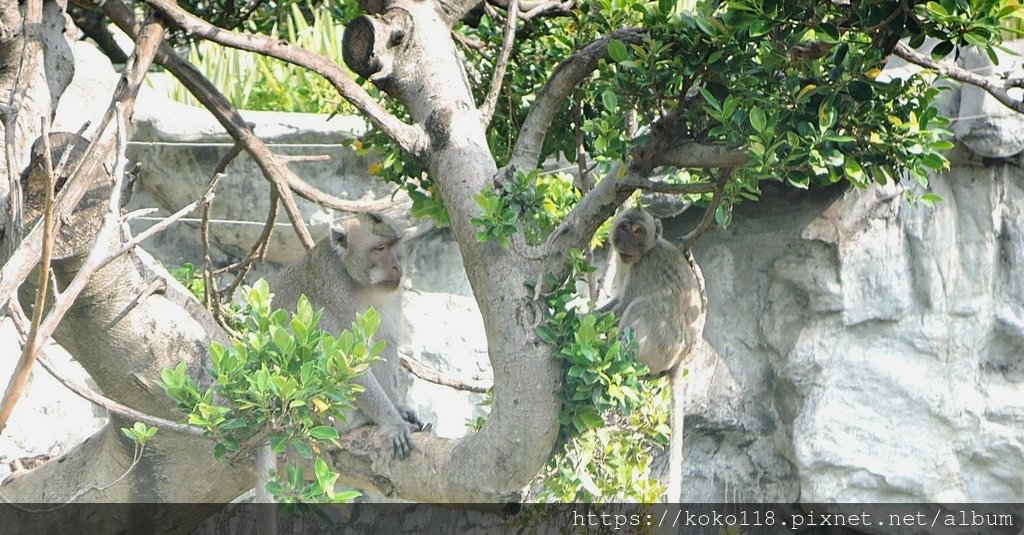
283,377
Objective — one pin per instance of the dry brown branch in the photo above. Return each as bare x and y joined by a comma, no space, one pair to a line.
21,262
487,110
411,139
429,374
272,167
31,348
210,297
258,250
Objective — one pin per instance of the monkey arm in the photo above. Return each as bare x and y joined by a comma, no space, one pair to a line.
377,406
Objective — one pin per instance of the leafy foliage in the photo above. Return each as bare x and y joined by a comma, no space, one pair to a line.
611,417
282,380
797,85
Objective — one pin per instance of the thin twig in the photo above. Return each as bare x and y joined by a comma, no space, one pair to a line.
429,374
585,184
258,249
410,139
991,85
487,110
156,285
31,347
210,297
65,299
709,213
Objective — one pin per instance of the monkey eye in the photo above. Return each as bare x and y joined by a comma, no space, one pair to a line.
640,230
380,248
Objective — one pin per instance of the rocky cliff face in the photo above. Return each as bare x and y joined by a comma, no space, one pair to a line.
860,349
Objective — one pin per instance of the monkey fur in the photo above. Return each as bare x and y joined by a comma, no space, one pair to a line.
349,271
658,293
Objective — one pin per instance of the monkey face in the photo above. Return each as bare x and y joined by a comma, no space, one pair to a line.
633,235
386,272
367,244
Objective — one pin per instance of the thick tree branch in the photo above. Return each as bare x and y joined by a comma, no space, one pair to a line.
408,138
672,189
991,85
559,86
110,405
487,110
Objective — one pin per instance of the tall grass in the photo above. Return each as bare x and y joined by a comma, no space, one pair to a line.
254,82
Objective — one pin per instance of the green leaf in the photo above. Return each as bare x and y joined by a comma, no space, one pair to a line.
757,119
546,334
931,198
617,50
303,449
853,170
324,432
610,100
942,50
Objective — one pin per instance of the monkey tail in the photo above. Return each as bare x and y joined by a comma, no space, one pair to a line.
677,401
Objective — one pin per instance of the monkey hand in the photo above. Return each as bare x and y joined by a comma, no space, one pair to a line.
410,416
400,433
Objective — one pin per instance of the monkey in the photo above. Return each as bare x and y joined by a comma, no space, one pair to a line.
354,268
658,293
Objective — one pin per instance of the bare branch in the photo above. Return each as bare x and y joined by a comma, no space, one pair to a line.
991,85
672,189
258,249
210,297
429,374
709,212
559,86
271,165
529,9
487,110
32,50
412,140
21,262
31,347
552,8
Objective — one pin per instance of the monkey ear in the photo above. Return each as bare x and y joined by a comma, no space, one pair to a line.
339,238
657,229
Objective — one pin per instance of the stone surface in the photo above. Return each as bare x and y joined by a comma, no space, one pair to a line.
859,349
985,125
